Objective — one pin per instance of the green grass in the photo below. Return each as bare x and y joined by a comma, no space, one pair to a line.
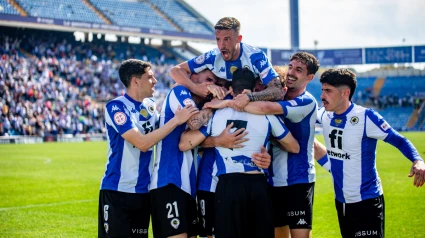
51,190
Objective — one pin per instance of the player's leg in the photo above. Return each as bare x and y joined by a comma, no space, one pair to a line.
169,212
279,198
140,213
206,213
368,217
343,220
260,207
231,201
300,209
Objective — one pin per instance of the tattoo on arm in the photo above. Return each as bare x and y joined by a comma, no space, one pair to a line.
199,119
273,92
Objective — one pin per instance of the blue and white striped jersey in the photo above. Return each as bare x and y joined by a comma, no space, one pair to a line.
250,57
173,166
259,128
351,139
206,170
127,168
300,118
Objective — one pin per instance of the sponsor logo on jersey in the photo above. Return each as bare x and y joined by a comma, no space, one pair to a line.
175,223
301,222
200,59
188,101
338,155
115,108
354,120
120,118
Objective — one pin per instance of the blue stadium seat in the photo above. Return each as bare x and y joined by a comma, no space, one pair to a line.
72,10
7,8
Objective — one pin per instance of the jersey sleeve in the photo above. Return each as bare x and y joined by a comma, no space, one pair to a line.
378,128
183,97
278,127
320,113
263,67
203,61
297,109
117,116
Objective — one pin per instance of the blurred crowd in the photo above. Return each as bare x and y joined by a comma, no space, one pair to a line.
49,86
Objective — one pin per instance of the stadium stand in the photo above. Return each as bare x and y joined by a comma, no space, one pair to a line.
133,13
73,10
7,8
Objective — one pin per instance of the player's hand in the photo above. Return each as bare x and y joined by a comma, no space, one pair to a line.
217,91
262,159
202,89
232,140
245,91
217,104
240,102
182,115
418,170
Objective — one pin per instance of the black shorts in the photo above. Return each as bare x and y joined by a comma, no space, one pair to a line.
243,206
362,219
173,212
123,214
293,205
206,212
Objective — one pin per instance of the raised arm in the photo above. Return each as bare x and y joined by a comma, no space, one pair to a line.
145,142
180,74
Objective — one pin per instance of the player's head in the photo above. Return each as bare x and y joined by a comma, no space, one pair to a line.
138,75
243,79
301,70
227,34
338,86
204,76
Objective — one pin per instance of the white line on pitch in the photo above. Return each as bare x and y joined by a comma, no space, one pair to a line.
46,205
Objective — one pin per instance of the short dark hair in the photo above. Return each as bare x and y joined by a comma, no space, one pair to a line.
308,59
243,79
132,68
340,77
281,70
228,23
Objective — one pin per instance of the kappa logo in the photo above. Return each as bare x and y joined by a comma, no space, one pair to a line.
183,92
262,63
222,69
115,108
301,222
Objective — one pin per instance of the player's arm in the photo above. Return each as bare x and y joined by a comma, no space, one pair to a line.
227,139
199,119
180,74
145,142
377,127
321,155
190,139
289,143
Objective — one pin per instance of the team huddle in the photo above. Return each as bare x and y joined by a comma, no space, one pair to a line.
235,148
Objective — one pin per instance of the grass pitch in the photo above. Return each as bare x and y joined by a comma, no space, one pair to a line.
51,190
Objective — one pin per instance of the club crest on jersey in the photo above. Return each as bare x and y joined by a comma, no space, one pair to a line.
354,120
151,108
120,118
188,101
175,223
200,59
144,113
233,69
